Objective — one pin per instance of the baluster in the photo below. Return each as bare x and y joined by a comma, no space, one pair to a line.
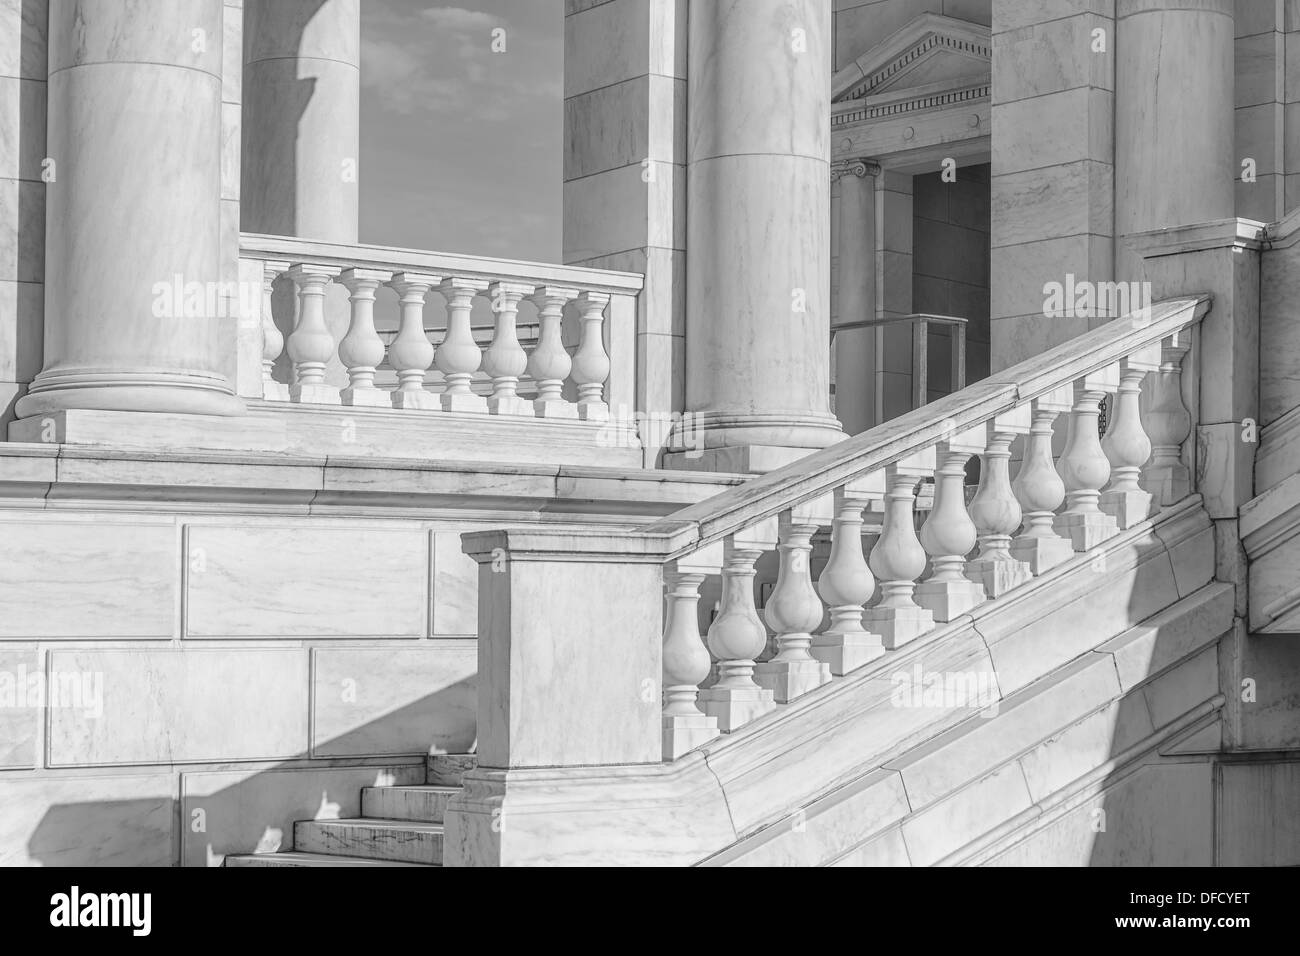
411,352
793,609
898,559
1126,444
505,359
686,662
549,365
1168,424
948,534
846,583
311,345
995,510
1039,488
590,363
362,350
1083,465
272,338
737,635
459,356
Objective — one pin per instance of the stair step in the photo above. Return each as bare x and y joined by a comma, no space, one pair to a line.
422,804
446,770
295,858
398,840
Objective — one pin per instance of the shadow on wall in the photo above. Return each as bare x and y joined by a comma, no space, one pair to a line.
224,809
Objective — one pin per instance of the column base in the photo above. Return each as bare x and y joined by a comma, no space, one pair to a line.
790,679
740,460
898,625
684,732
1085,529
946,600
365,398
1041,553
314,394
847,652
182,393
733,707
1127,507
998,575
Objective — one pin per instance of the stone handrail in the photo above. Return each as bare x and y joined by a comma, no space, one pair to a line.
581,364
566,680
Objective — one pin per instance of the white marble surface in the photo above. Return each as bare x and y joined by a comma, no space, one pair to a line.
178,706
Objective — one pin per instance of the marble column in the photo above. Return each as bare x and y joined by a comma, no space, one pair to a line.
855,349
135,129
302,118
1174,127
758,231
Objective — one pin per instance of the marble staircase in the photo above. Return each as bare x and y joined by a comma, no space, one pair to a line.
398,826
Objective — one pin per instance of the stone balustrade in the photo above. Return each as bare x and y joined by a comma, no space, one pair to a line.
866,602
549,342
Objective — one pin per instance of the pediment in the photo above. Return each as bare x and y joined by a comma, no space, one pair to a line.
931,51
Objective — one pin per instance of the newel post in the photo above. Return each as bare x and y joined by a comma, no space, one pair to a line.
570,670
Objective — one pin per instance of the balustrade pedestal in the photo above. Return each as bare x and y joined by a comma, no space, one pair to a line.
737,635
898,559
1040,490
995,510
1083,465
846,583
794,610
948,534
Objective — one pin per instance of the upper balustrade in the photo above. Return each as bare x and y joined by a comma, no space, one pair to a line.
486,343
859,607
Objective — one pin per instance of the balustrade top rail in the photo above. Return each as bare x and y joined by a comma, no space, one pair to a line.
385,258
824,471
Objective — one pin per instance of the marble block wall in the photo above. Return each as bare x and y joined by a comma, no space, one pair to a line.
209,679
23,29
1260,108
625,169
1053,166
950,267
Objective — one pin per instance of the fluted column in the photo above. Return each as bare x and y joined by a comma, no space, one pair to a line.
272,337
758,257
1040,490
1083,465
737,635
686,661
995,510
550,365
846,583
1126,444
793,608
949,534
855,349
505,360
459,356
310,344
301,118
1168,423
362,350
411,353
134,126
897,559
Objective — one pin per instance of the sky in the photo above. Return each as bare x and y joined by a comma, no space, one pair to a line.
461,145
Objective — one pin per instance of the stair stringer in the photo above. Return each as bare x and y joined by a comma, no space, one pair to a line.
684,811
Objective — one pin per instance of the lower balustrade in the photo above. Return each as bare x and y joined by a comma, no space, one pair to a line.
964,555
